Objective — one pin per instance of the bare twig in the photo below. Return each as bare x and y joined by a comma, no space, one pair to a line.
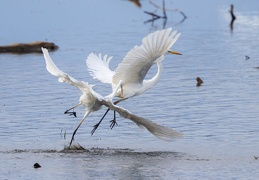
166,9
153,14
151,2
165,16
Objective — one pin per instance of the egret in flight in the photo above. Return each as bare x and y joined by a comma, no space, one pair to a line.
93,101
134,66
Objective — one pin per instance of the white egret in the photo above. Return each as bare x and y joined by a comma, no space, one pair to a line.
134,67
93,101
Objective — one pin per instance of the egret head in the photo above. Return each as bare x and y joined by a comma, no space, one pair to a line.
169,52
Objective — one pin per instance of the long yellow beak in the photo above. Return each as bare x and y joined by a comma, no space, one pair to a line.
174,52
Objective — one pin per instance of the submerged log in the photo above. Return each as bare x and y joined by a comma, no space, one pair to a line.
21,48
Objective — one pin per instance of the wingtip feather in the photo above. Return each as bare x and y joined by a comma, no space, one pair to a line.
98,67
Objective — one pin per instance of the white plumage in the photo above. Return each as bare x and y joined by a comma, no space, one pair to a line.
135,65
93,101
100,68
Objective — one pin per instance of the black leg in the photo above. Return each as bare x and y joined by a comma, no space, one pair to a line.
86,114
97,125
113,122
72,139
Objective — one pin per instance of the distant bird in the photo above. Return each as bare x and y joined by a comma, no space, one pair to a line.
94,101
134,67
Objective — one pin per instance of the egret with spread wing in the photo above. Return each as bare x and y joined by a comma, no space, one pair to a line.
134,67
94,101
89,98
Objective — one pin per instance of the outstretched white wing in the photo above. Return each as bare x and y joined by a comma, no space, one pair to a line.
63,77
138,60
98,67
161,132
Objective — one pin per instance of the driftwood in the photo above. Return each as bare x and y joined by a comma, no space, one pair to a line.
21,48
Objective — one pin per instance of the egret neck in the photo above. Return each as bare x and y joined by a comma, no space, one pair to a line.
147,84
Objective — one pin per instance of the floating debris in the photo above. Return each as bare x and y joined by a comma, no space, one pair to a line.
247,57
37,165
199,81
23,48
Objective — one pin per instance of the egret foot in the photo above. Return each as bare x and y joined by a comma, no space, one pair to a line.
70,113
113,123
72,108
95,127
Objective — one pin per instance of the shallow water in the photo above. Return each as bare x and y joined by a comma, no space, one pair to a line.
219,119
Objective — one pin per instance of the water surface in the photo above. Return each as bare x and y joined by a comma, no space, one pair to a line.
219,119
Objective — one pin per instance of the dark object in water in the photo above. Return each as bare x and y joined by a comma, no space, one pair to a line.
247,57
199,81
233,17
22,48
36,165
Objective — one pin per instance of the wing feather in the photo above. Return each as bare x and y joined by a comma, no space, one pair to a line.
63,77
138,60
161,132
98,67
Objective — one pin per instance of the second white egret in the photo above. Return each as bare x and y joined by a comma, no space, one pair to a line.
134,67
